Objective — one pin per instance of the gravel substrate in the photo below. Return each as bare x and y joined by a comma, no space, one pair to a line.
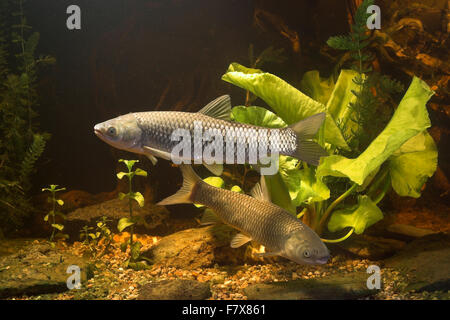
112,281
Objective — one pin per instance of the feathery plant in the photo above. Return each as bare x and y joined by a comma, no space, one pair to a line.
21,142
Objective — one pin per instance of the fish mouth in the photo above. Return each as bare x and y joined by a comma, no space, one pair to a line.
322,260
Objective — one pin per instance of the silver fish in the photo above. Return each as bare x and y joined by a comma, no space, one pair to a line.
150,133
255,217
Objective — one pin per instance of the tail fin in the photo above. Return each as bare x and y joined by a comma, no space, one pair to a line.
308,150
184,195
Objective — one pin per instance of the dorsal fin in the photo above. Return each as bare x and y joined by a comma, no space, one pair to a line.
260,191
219,108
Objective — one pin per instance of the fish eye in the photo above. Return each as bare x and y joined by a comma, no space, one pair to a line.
306,254
111,131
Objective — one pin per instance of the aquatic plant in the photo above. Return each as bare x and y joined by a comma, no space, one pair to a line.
51,216
21,143
402,156
100,235
374,144
129,222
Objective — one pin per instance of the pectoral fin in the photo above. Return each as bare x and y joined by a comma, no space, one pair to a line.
239,240
152,159
209,217
152,152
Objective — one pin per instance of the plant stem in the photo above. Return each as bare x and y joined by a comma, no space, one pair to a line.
53,216
131,211
333,205
340,239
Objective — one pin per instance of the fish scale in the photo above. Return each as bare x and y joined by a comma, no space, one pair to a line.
157,128
264,221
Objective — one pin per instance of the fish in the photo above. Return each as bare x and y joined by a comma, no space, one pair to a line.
256,218
151,134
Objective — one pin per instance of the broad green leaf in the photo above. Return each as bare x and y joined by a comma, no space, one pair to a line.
341,97
303,185
316,87
360,216
120,175
140,172
60,202
138,197
257,116
290,104
410,118
58,226
412,164
124,223
237,189
279,193
215,182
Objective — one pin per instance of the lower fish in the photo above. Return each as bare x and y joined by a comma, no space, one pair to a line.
255,217
151,133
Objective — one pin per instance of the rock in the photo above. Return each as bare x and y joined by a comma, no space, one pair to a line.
409,231
174,290
336,287
372,248
198,248
154,217
38,269
426,261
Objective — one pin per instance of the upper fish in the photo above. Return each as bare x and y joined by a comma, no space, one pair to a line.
151,133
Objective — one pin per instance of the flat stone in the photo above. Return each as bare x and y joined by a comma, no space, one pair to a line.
199,248
335,287
372,248
38,269
426,261
174,290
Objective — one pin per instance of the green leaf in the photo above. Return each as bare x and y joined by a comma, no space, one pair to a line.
138,197
124,223
410,118
290,104
341,97
58,226
60,202
123,246
257,116
46,217
140,172
120,175
122,195
360,216
215,182
237,189
412,164
129,163
303,185
279,193
316,87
